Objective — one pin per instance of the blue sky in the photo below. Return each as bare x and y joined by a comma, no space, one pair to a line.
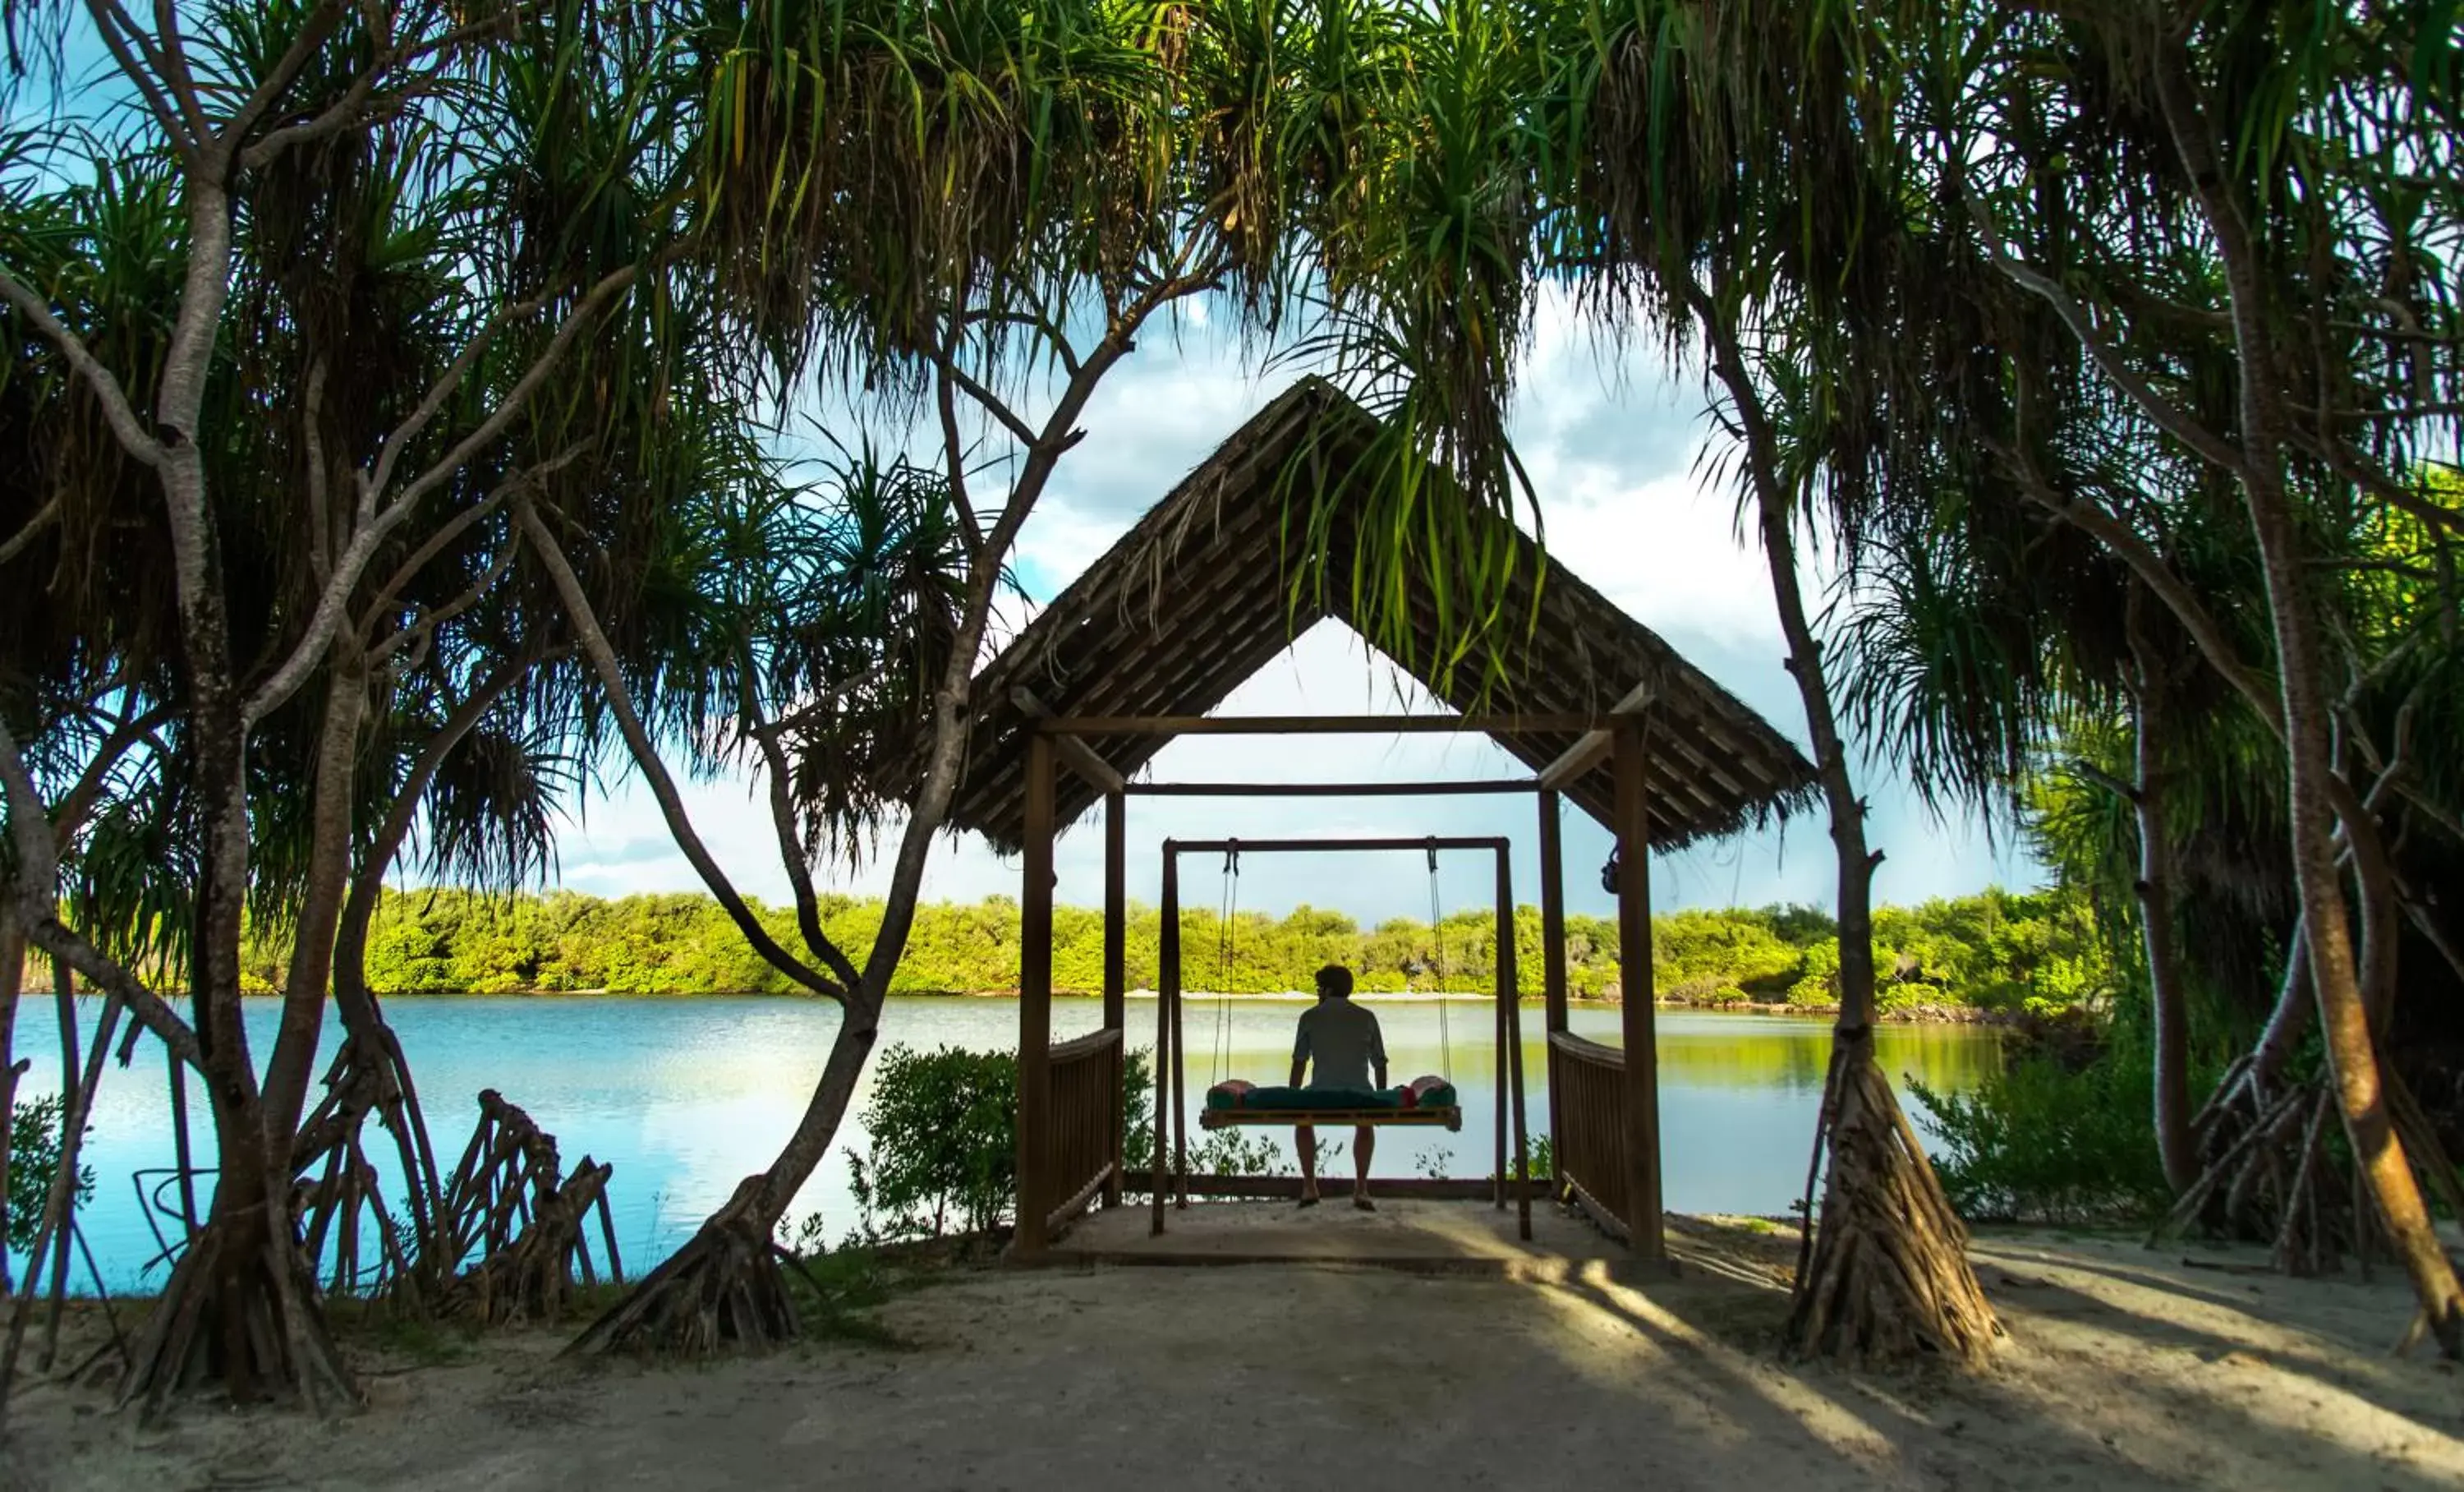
1616,447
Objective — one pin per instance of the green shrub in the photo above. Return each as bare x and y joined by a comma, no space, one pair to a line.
943,1126
33,1159
2040,1141
944,1131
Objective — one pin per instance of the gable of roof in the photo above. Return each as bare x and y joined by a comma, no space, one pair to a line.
1214,582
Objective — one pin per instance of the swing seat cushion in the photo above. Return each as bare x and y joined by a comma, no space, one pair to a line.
1430,1092
1239,1094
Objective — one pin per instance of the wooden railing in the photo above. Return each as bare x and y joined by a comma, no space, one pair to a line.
1588,1082
1082,1150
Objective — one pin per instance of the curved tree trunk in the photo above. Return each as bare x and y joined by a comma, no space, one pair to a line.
2176,1147
310,976
372,1050
12,978
725,1285
1887,1275
2335,971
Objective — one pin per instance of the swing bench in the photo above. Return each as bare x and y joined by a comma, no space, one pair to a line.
1427,1102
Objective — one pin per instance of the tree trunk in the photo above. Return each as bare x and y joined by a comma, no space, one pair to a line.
236,1309
2175,1147
2343,1012
372,1043
724,1286
12,978
1886,1276
310,978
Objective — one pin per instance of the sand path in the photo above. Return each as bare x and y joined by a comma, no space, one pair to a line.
2128,1369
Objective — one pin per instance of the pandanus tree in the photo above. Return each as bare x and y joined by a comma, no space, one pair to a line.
288,428
1716,190
977,211
2230,216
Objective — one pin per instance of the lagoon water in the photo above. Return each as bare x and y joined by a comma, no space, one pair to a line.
687,1096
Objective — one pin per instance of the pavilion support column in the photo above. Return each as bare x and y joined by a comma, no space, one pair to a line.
1510,1006
1644,1223
1035,1003
1116,985
1553,946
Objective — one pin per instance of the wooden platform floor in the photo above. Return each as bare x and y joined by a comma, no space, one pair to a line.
1413,1235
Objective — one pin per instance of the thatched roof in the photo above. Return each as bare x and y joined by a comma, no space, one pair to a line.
1208,589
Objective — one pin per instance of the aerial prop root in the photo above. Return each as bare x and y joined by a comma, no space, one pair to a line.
1888,1276
239,1310
724,1289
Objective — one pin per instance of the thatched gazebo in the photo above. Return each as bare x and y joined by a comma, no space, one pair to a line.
1204,591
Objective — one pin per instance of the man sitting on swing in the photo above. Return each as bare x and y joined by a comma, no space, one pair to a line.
1338,1046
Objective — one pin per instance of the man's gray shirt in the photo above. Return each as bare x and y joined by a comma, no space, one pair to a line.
1342,1043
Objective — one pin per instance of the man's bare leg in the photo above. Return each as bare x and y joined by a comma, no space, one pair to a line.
1364,1145
1304,1140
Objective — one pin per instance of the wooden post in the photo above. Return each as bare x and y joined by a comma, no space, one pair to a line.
1170,991
1510,1004
1035,1002
1643,1222
1167,990
1116,987
1552,957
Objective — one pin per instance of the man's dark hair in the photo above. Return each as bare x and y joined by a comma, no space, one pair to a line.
1335,981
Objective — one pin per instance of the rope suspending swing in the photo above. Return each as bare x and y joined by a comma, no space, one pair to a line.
1428,1102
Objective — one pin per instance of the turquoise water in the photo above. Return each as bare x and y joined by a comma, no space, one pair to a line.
688,1095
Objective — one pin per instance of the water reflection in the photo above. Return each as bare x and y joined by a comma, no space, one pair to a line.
687,1096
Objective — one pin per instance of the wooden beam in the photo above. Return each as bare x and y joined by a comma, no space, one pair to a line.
1453,1189
1330,790
1174,848
1035,1004
1633,988
1576,761
1579,759
1314,724
1079,756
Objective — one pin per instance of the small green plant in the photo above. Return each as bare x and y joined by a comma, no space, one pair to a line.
1242,1153
33,1159
1539,1154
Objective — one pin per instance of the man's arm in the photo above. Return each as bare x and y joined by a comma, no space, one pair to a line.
1300,1051
1377,1050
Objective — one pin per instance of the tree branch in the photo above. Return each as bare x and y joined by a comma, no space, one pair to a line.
645,756
992,402
2166,414
18,542
116,409
791,849
428,623
39,885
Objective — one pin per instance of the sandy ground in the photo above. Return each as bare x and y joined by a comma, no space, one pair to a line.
2127,1367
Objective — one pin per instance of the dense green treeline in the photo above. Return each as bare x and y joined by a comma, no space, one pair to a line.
1993,950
